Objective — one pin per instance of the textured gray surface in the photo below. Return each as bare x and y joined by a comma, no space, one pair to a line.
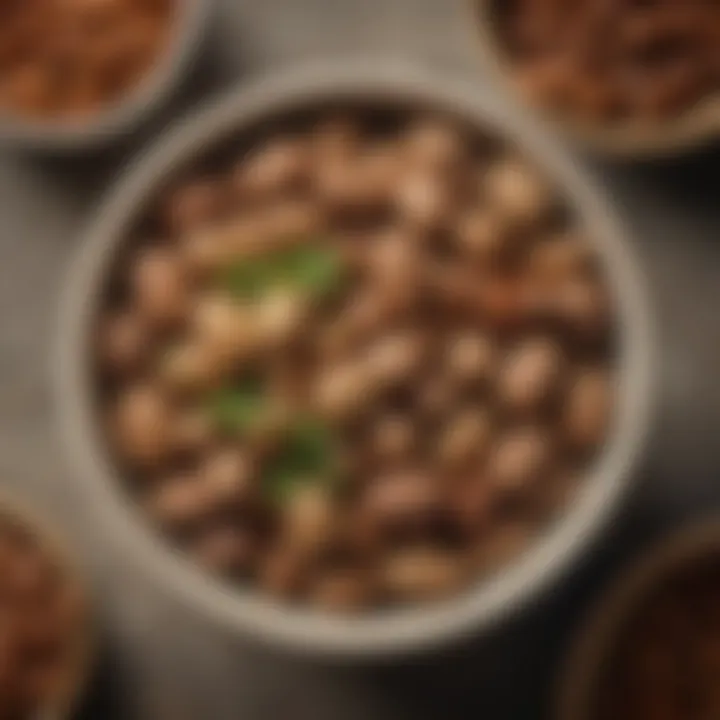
163,663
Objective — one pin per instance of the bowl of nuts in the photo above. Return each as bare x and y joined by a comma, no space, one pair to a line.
45,646
365,350
650,647
622,78
77,74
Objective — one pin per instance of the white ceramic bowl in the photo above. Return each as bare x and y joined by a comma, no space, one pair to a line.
385,632
127,113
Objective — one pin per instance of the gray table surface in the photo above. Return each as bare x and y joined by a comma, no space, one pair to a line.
161,662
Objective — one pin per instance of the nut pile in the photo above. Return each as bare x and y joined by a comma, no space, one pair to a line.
361,366
668,662
71,58
41,614
616,60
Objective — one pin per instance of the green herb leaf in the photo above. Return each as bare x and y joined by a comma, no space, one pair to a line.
307,455
311,269
236,409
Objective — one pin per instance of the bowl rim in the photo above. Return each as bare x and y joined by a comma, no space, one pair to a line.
631,140
300,630
131,109
53,542
599,630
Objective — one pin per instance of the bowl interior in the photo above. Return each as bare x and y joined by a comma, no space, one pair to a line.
77,667
631,138
231,122
588,658
124,113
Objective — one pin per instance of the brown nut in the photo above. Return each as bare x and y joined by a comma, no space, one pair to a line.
501,544
470,357
342,390
189,368
192,431
424,201
179,502
583,307
228,476
422,573
122,344
516,192
393,437
559,259
283,572
588,409
309,520
530,374
141,421
482,235
395,357
465,439
193,206
280,317
159,286
273,168
226,550
402,501
519,459
342,590
434,145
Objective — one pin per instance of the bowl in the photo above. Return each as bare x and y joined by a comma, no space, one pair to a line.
382,633
129,112
76,675
628,141
598,636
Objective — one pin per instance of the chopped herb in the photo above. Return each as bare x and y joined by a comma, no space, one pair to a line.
311,269
307,455
237,409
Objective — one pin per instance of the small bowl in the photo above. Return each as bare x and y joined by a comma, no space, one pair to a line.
124,115
79,667
598,637
383,632
630,140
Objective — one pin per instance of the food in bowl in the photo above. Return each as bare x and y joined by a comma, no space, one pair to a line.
667,654
68,59
42,623
358,362
613,61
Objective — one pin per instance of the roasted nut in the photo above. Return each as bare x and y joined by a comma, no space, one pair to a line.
434,145
342,390
194,206
191,432
393,437
470,357
530,374
422,573
465,439
226,550
402,501
281,316
122,344
588,408
515,191
395,357
190,368
309,520
519,459
424,201
582,306
179,502
343,590
142,425
278,165
159,286
482,235
501,544
228,476
283,572
558,260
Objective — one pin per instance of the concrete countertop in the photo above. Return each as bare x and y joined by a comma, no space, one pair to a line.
161,663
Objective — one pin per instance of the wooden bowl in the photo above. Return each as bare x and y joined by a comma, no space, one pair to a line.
632,139
76,672
585,663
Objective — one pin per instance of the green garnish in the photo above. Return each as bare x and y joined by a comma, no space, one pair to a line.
306,455
237,409
310,269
